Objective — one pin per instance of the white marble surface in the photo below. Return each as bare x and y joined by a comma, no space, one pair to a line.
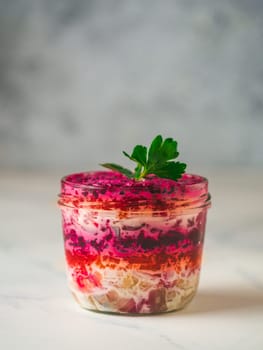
37,311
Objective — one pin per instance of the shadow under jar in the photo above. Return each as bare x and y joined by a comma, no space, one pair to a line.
133,247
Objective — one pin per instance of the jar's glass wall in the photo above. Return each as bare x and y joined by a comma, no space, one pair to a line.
133,246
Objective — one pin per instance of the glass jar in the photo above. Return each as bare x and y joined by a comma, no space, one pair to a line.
133,247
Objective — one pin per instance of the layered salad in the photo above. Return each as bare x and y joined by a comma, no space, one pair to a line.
132,246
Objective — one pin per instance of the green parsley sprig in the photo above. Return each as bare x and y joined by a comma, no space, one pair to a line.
158,160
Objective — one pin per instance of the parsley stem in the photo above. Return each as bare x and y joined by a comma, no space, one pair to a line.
143,174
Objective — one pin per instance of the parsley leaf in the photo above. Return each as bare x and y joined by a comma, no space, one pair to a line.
119,168
139,154
158,160
171,170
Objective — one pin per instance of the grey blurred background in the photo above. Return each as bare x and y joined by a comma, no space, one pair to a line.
81,80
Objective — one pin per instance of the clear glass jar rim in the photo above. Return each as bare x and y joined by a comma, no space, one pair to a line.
190,192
